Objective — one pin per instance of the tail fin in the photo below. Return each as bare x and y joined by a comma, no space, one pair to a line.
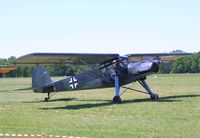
41,81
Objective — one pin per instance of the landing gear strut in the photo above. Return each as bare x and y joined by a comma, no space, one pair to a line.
153,96
116,98
50,94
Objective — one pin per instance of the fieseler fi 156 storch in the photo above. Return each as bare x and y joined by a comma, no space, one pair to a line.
113,71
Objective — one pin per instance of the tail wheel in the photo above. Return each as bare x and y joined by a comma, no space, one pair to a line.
46,99
50,94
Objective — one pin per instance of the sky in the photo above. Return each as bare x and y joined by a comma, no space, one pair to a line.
104,26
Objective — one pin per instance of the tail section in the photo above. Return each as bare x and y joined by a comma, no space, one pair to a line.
41,81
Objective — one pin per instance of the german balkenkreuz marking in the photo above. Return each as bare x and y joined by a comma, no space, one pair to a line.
73,83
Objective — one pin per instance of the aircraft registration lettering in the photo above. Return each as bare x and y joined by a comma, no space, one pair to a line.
73,83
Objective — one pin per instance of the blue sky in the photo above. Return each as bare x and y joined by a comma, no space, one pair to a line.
106,26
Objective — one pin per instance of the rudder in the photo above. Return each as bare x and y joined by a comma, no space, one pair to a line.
41,80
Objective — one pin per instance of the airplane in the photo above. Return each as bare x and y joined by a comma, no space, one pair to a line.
6,68
113,71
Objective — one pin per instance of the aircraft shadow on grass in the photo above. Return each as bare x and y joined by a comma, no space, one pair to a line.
23,89
176,98
15,90
6,91
54,100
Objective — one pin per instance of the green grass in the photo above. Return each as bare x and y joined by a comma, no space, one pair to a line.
90,113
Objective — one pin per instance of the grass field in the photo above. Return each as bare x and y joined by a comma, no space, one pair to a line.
90,113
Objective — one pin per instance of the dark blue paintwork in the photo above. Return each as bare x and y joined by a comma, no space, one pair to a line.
113,71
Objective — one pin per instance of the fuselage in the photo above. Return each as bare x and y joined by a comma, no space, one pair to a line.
104,76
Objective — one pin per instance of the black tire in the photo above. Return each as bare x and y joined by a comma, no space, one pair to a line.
117,100
154,97
46,99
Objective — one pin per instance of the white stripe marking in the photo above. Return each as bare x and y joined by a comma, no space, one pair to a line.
37,135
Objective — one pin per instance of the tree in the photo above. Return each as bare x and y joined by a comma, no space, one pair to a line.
177,51
187,64
165,67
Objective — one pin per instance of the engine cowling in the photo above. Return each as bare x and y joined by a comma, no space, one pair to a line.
155,67
143,67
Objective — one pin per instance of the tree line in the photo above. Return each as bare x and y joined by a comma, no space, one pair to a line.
185,64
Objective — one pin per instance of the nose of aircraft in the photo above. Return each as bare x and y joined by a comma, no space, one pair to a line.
144,67
155,67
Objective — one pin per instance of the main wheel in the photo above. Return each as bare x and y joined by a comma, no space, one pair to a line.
117,100
154,97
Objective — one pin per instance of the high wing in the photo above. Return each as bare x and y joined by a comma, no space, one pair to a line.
88,58
63,58
159,56
6,68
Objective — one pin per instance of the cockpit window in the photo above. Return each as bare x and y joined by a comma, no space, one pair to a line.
109,68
